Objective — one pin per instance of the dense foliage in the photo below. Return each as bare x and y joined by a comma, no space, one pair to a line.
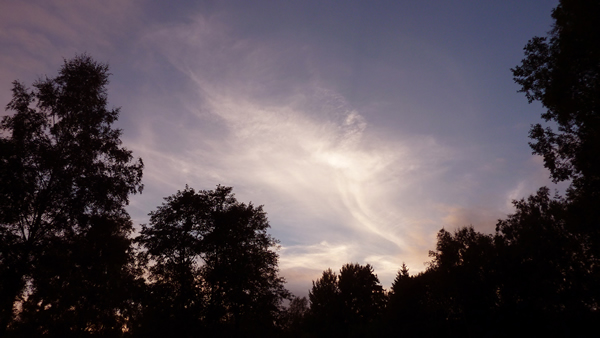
65,251
212,266
345,303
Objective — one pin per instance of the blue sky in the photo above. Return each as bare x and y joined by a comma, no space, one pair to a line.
363,127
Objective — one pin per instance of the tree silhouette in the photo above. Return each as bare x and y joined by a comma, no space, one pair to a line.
463,271
216,260
293,319
173,251
65,253
563,72
325,304
363,298
542,267
404,312
559,238
347,304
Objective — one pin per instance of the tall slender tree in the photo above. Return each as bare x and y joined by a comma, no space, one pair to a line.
65,253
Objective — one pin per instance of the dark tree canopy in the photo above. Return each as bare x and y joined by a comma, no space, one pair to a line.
214,261
172,251
363,297
293,319
347,303
558,239
325,303
562,71
546,275
64,252
463,271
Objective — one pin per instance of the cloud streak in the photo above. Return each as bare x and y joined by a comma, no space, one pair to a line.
342,140
335,190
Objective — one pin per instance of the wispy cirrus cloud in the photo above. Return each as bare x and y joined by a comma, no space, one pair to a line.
360,148
335,190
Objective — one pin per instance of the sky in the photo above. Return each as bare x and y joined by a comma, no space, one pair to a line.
363,127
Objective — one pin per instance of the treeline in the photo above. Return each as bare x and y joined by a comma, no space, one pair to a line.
205,264
524,281
539,274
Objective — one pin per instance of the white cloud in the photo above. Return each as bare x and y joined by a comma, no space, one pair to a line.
265,116
335,190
